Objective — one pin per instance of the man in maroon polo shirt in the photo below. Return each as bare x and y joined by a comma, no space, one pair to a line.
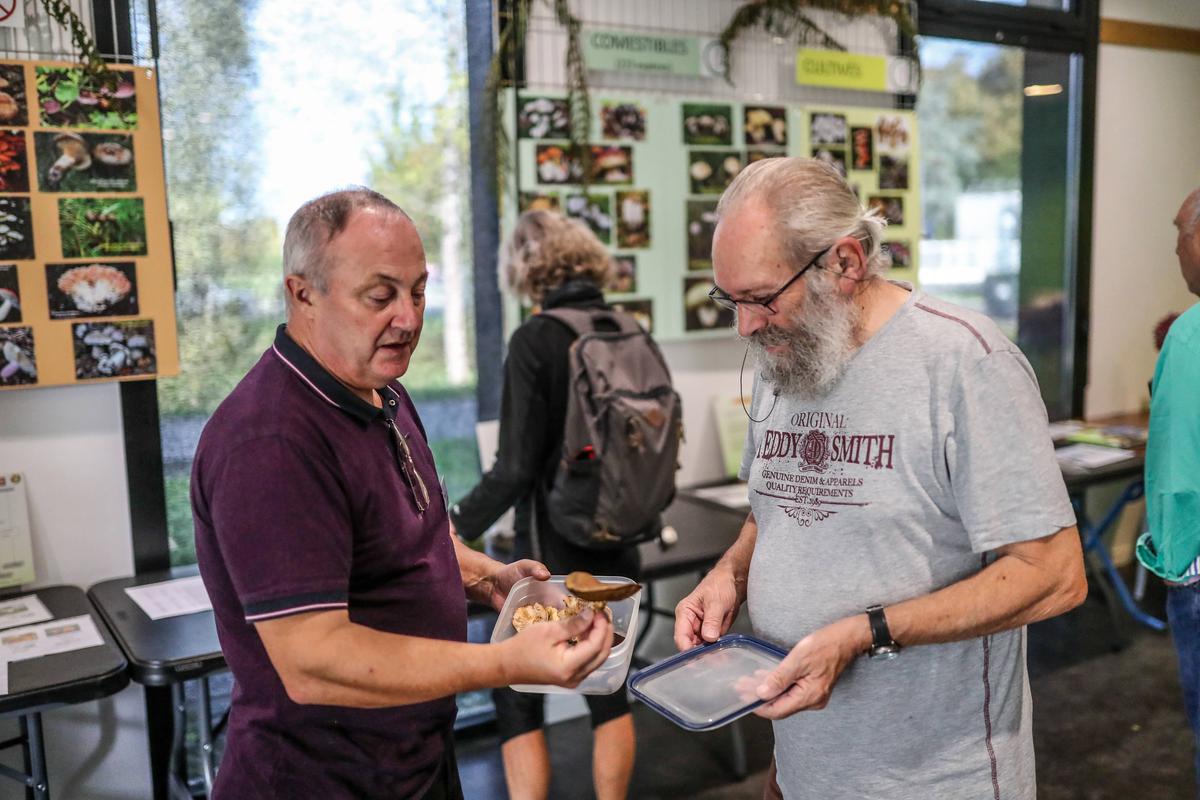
338,585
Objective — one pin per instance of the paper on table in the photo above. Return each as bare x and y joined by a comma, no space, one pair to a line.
1091,456
732,496
23,611
171,598
56,636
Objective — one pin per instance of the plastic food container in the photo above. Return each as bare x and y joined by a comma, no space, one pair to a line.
609,676
708,686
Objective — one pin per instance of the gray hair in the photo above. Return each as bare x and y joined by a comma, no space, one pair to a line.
813,207
316,223
1192,219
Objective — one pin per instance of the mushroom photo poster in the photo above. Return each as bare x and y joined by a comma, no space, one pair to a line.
86,278
659,165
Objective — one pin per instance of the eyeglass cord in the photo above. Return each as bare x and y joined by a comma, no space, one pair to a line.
742,391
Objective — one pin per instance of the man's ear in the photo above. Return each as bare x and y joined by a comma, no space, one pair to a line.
298,290
852,260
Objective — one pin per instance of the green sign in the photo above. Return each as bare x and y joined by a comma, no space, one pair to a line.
841,70
633,51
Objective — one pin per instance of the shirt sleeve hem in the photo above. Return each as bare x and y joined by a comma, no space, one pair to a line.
295,604
1014,534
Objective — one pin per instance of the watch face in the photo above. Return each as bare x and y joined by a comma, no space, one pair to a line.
885,652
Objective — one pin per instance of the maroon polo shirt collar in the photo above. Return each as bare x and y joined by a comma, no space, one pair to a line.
330,389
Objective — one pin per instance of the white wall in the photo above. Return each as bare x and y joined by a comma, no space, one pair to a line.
70,444
703,371
1147,160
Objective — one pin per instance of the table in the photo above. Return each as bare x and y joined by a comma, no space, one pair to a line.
163,655
38,684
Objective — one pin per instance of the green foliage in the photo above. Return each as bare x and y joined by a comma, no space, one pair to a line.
62,13
971,132
92,227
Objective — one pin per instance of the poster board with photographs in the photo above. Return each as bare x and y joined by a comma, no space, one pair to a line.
877,150
86,279
659,164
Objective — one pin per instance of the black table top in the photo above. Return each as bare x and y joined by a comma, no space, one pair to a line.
163,651
64,678
706,530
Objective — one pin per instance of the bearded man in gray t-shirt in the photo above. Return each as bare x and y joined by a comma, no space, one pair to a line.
905,505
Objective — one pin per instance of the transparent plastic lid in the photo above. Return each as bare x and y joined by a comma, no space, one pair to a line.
708,686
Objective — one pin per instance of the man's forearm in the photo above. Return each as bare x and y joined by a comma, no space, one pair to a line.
476,569
737,558
1012,591
361,667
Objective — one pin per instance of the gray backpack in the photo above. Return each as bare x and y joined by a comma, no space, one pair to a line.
616,473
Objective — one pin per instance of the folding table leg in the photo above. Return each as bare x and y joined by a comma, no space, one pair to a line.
34,751
206,744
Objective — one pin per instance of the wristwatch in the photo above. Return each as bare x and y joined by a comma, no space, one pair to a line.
882,643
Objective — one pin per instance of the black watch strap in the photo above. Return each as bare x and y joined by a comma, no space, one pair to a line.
881,637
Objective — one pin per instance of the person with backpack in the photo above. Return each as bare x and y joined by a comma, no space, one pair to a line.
589,436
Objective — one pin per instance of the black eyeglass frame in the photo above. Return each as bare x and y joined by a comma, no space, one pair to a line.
408,468
718,295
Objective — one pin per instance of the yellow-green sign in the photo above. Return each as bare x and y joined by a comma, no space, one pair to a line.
841,70
635,51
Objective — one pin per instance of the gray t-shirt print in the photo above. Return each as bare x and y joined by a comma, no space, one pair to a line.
929,454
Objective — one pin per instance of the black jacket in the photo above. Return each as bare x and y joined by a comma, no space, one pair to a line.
533,413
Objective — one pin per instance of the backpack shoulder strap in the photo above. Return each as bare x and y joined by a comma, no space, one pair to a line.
578,320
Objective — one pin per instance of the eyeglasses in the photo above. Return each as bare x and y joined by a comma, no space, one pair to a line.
718,295
409,469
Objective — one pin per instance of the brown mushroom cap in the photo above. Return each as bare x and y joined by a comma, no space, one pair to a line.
113,154
9,107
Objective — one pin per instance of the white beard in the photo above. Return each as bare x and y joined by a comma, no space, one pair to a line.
820,339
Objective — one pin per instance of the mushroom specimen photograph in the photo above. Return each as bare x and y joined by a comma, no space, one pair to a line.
892,208
14,171
641,310
701,222
556,164
114,349
91,290
13,109
85,162
16,229
893,171
593,210
862,148
70,98
711,171
765,126
10,294
612,165
833,156
633,219
537,201
900,253
707,124
827,129
624,274
93,227
543,118
622,121
18,364
700,312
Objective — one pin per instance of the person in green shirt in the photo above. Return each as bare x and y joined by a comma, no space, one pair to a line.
1171,546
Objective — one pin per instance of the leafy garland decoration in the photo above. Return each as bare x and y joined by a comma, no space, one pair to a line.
512,38
789,19
785,18
95,66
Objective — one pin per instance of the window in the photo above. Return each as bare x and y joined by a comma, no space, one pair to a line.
266,105
1002,157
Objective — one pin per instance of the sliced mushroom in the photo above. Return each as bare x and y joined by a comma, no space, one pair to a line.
8,302
72,155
